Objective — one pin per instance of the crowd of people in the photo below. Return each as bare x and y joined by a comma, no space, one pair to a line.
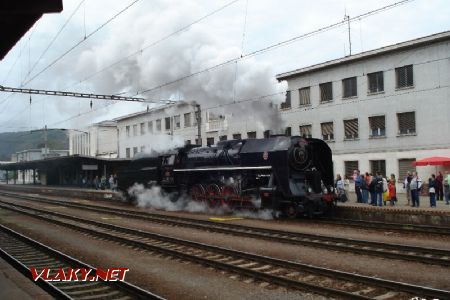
382,190
100,183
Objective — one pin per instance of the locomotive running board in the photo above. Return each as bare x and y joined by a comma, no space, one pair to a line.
224,169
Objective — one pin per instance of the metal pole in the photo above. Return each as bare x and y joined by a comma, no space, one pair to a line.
198,116
349,34
45,141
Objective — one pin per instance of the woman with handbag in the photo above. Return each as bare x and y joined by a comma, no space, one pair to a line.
432,190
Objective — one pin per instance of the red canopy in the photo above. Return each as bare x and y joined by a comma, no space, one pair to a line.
433,161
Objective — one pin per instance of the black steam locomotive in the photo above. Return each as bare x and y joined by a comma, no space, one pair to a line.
292,175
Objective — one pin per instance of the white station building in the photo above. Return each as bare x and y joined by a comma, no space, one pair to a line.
378,110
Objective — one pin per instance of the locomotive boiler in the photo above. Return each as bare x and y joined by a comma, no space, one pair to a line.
292,175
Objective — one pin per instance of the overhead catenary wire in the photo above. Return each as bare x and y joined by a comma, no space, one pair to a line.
54,38
333,103
178,31
277,45
154,43
344,102
280,44
80,42
271,47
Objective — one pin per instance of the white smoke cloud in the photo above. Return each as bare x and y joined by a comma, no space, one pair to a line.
194,49
155,197
159,143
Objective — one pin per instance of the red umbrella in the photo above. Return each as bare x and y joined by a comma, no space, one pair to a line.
432,161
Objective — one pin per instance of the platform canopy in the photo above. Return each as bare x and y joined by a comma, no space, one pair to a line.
432,161
18,16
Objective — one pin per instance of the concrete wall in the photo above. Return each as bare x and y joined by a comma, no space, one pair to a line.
98,140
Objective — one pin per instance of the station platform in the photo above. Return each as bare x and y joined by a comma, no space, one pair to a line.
14,285
400,213
76,192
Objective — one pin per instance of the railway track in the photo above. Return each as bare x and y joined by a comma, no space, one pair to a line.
24,253
386,250
412,228
247,266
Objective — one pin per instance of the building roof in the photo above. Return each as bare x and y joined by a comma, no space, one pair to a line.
151,110
411,44
106,123
52,162
18,16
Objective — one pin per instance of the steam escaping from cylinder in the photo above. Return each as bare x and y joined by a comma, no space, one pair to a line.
156,199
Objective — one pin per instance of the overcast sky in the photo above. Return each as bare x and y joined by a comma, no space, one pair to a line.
240,28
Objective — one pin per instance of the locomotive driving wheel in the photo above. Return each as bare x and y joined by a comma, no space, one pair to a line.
198,193
213,195
229,195
290,211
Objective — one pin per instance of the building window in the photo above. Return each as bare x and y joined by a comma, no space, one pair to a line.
135,151
304,96
223,138
142,148
251,135
306,131
377,126
142,128
351,129
150,127
210,141
177,122
198,142
375,82
187,120
236,136
158,125
404,77
267,134
350,166
327,131
378,166
326,91
167,123
127,128
187,142
349,87
127,151
287,103
135,130
288,131
405,166
406,123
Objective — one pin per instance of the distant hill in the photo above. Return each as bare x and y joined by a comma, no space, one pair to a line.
11,142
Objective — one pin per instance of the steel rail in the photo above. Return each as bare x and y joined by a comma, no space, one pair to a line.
23,252
411,228
395,251
220,258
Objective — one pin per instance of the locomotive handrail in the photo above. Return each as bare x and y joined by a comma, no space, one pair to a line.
224,169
